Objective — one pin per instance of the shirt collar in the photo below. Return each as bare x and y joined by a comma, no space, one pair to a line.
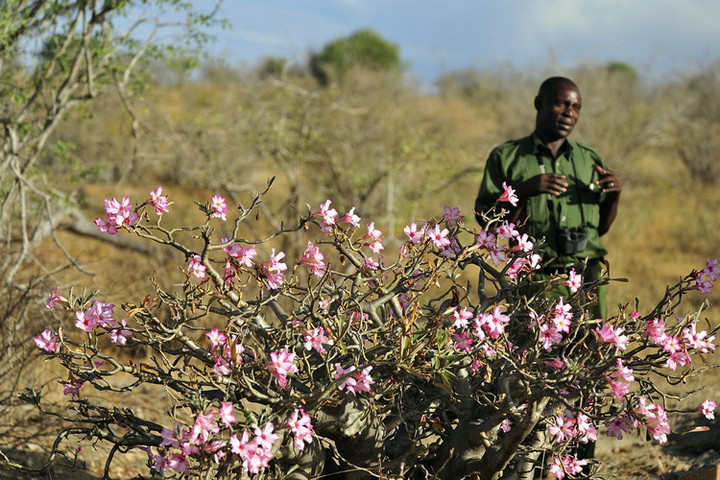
539,147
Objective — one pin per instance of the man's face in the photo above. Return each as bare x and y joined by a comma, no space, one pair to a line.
558,112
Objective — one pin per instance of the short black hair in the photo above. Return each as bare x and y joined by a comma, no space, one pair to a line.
550,85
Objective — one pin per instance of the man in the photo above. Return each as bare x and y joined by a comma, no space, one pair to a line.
566,193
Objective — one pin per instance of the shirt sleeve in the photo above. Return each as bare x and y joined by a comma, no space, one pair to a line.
491,185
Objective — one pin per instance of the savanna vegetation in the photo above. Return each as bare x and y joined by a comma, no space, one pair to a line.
86,119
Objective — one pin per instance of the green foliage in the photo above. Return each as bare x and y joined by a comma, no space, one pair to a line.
273,67
623,69
364,49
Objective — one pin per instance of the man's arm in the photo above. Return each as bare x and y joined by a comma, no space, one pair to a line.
611,185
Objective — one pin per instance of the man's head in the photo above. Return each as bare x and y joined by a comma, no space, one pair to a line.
558,105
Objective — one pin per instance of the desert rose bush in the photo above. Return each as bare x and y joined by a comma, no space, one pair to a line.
432,361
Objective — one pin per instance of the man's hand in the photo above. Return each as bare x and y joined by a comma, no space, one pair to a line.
551,183
609,180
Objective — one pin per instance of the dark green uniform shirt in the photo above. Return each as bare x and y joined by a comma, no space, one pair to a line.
517,160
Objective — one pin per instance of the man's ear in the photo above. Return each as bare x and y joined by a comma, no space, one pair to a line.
538,103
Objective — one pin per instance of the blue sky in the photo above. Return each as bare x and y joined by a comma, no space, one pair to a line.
658,37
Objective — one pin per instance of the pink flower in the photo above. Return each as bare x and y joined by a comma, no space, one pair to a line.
507,230
226,414
562,322
54,297
495,323
463,341
99,313
328,214
72,387
439,237
315,340
574,281
712,269
350,218
282,364
217,338
364,380
313,260
549,336
672,344
623,372
221,366
301,428
703,283
240,446
573,465
613,335
563,427
203,427
452,216
264,437
118,214
617,426
276,264
158,201
516,267
274,270
676,359
708,276
196,267
524,244
120,335
47,341
586,431
708,409
509,195
215,448
486,240
257,458
697,339
243,255
358,382
219,207
416,236
567,465
173,438
655,330
372,264
619,389
460,317
557,468
84,322
451,248
657,424
106,226
506,425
